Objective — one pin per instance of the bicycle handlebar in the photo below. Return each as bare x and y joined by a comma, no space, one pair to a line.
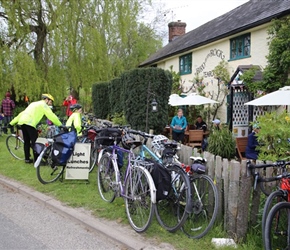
266,165
144,134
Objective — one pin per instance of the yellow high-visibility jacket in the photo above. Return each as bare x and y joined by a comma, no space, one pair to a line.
75,120
33,114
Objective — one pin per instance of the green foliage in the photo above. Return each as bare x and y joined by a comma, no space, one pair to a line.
273,135
48,46
221,142
116,96
131,94
248,78
100,94
275,74
119,119
221,73
141,87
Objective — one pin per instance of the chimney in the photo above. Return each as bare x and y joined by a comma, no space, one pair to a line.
176,29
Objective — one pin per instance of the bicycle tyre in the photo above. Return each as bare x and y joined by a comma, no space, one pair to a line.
47,171
205,207
15,146
172,212
272,199
107,181
93,154
138,201
277,227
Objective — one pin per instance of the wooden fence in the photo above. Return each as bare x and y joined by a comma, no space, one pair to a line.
239,204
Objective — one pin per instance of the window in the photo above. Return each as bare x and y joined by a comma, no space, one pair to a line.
185,64
240,47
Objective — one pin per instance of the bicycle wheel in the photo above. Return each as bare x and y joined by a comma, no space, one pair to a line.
172,212
277,227
15,146
138,202
271,200
47,171
107,182
93,154
205,206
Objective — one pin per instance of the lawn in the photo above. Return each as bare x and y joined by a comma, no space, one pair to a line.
82,194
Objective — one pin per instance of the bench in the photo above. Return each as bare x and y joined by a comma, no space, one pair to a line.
241,144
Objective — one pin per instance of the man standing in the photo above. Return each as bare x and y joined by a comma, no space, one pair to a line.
28,120
7,108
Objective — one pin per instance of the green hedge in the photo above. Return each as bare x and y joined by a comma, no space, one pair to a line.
131,93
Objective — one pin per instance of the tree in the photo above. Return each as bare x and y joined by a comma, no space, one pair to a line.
276,73
51,45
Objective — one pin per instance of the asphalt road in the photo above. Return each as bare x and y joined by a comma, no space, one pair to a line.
27,224
32,220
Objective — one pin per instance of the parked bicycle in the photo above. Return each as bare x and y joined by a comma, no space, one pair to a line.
277,227
281,187
15,144
172,211
50,165
134,183
259,173
204,191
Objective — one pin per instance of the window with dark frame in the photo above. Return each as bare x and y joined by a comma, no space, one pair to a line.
240,47
185,63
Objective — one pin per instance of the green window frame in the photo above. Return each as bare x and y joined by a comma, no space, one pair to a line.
240,47
185,63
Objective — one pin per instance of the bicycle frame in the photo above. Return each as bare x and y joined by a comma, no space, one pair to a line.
258,178
127,176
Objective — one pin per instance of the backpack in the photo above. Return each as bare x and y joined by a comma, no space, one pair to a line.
63,147
162,180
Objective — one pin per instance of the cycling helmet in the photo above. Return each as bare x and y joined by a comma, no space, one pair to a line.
75,107
157,142
128,141
48,96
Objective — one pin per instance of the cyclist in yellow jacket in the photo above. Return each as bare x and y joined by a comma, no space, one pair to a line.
28,120
75,119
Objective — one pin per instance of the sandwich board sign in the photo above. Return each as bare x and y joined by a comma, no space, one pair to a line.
77,167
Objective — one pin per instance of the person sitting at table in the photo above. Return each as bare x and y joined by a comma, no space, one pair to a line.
251,150
200,124
178,125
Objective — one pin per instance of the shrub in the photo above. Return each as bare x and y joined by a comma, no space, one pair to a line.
273,136
221,142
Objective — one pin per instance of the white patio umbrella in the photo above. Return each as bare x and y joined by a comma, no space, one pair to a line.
175,99
276,98
191,99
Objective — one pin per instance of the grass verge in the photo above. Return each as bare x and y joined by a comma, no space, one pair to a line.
81,194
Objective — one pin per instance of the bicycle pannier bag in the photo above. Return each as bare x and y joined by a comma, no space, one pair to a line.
63,147
162,180
111,132
38,147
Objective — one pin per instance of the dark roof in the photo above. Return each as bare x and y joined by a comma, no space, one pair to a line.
244,17
244,68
